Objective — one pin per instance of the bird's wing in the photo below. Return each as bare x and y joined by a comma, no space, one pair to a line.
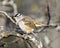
28,23
38,23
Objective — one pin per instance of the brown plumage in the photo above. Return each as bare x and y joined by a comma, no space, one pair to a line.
27,24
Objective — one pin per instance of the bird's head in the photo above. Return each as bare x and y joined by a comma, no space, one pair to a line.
18,17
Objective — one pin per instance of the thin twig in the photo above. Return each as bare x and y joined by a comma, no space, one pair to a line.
2,12
47,14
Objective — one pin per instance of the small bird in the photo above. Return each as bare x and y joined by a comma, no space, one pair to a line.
27,24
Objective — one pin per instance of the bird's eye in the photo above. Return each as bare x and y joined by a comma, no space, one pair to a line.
17,15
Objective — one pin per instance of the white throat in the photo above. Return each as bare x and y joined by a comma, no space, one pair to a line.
18,18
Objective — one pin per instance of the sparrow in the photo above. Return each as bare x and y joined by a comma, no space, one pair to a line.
27,24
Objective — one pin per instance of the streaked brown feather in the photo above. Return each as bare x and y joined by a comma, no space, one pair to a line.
28,23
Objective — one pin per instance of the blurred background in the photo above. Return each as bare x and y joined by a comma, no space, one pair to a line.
35,9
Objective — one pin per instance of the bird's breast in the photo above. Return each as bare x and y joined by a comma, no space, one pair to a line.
25,27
